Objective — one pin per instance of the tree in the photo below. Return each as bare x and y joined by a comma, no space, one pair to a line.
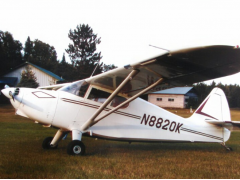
231,92
28,49
28,79
108,67
44,55
10,52
64,69
82,51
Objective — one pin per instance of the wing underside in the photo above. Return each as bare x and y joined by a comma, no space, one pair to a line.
177,68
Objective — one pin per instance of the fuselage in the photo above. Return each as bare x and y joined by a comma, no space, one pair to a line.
137,121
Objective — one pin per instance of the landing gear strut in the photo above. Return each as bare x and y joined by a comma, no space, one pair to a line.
52,142
76,146
46,143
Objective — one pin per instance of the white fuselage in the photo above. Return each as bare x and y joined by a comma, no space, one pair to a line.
139,121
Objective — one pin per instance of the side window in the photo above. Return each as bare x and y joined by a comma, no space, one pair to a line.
101,96
118,100
98,95
83,89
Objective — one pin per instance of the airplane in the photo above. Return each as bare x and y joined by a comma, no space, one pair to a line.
108,106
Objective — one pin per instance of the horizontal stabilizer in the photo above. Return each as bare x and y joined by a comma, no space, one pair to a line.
231,125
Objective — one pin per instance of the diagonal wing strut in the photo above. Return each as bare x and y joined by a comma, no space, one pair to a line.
92,120
129,100
89,122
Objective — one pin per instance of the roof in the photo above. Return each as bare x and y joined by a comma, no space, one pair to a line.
8,80
176,90
46,71
41,69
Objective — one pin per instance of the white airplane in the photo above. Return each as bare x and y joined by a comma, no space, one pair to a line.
107,105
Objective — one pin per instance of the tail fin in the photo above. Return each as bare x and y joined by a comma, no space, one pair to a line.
214,107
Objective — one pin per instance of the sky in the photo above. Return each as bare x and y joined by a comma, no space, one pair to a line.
126,27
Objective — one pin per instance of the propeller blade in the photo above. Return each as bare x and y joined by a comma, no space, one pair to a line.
11,94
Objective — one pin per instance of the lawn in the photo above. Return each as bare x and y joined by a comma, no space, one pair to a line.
21,155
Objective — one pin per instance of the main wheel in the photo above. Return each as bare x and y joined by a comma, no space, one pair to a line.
46,143
76,147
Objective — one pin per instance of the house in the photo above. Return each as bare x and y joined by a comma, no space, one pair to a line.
177,97
44,77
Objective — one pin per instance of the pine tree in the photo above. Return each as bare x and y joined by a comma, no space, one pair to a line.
28,49
82,51
28,79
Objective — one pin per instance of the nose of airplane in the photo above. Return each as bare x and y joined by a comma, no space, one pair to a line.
7,92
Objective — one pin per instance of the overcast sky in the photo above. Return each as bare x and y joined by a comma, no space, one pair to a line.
126,27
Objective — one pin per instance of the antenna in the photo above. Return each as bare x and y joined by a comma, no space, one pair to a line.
159,48
95,68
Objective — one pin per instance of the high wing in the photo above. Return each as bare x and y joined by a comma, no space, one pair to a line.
53,87
177,68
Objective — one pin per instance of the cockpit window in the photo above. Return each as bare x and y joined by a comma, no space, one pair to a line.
118,100
78,88
98,95
101,96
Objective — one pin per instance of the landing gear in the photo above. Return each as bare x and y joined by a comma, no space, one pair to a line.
46,143
76,147
226,147
52,142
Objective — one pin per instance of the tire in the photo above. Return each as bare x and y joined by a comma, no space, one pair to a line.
76,147
46,143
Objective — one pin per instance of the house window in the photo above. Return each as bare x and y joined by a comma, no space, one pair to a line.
159,99
170,99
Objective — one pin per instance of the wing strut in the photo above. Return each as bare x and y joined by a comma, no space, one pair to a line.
129,100
88,123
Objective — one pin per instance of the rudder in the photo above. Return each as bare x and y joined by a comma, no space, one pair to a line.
214,107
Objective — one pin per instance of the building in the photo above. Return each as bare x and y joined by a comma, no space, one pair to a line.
177,97
44,77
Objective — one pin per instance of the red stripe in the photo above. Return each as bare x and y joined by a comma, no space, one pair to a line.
96,107
199,110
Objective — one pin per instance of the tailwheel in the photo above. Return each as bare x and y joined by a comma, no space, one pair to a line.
76,147
226,147
46,143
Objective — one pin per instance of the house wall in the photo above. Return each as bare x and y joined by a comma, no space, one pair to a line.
42,78
179,100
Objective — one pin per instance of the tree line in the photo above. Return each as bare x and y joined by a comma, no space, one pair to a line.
84,59
82,53
232,93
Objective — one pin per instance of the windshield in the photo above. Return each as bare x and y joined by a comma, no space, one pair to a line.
78,88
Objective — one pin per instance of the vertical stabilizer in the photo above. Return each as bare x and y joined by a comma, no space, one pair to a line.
214,107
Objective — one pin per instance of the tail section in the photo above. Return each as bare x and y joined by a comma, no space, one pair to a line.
214,107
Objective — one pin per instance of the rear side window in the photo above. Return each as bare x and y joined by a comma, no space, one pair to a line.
98,95
101,96
118,100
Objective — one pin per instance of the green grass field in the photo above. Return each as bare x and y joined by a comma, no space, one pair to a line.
21,155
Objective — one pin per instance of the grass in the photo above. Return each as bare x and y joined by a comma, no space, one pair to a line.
21,155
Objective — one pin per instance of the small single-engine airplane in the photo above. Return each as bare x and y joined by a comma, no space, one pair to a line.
107,105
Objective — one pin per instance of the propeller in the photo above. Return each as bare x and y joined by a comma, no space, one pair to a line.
10,93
